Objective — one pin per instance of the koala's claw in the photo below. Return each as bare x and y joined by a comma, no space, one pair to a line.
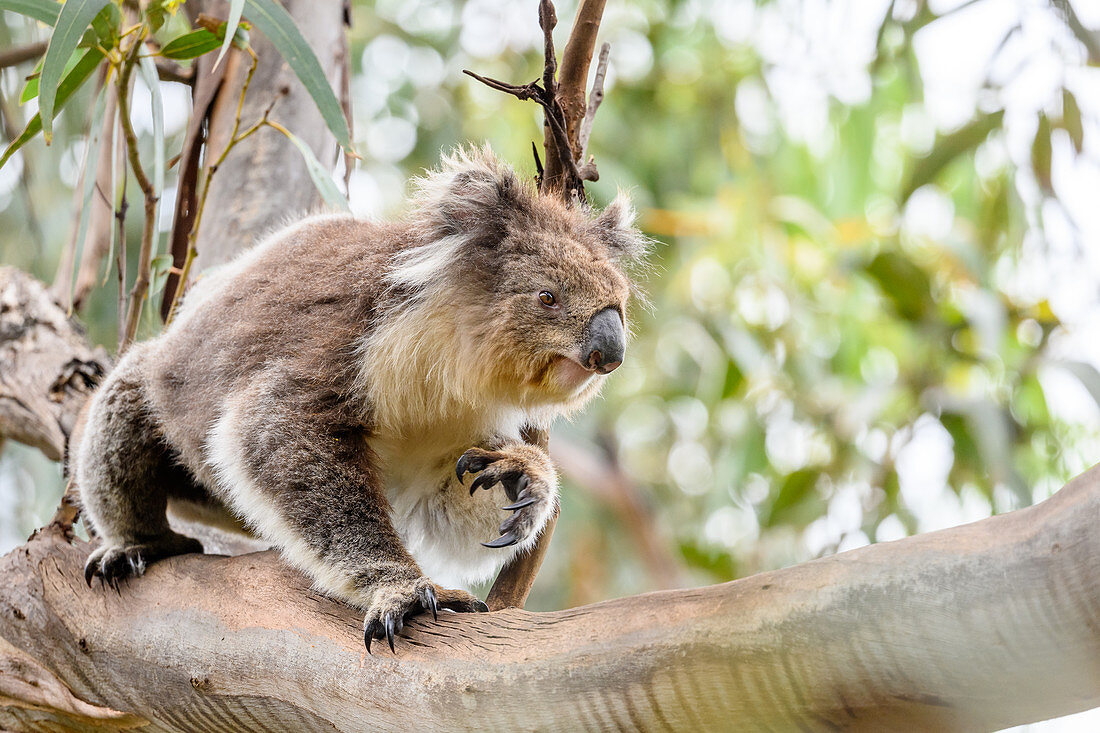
471,462
115,563
524,480
386,617
506,540
528,501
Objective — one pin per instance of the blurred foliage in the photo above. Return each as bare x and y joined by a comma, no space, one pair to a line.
835,352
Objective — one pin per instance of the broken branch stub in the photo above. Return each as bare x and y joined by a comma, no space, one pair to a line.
564,118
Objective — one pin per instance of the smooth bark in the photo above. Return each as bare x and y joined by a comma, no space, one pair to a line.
991,624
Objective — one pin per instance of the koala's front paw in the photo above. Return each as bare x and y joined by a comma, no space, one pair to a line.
528,479
395,602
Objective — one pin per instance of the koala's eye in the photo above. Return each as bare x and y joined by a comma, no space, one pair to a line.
547,298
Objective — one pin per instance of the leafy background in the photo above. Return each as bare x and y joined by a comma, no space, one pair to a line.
874,297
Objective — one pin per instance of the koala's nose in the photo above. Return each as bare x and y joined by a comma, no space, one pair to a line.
605,341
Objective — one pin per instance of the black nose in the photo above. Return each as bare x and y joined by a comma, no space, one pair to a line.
605,341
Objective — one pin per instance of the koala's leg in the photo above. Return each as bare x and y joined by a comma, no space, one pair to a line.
310,485
528,477
123,474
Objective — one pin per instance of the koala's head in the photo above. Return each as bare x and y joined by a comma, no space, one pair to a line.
539,290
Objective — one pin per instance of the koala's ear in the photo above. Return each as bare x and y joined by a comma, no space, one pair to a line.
615,228
473,195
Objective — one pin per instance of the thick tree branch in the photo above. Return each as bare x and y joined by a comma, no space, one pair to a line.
47,368
979,627
573,79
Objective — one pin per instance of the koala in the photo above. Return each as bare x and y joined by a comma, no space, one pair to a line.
331,388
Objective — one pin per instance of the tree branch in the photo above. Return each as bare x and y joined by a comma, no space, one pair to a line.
978,627
573,79
562,175
18,54
595,99
47,369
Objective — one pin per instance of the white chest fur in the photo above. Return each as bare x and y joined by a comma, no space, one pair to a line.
441,525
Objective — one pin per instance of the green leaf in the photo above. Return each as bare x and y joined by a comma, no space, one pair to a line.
322,179
796,492
906,285
30,89
79,74
190,45
275,23
160,267
106,27
91,159
1071,120
148,70
44,11
1041,154
74,19
235,9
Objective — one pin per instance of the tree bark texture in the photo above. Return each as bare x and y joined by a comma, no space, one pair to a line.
264,183
47,368
991,624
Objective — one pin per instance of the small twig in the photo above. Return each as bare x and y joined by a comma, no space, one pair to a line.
595,99
524,92
548,19
145,252
19,54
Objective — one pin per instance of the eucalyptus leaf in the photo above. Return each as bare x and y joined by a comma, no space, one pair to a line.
91,159
74,19
1041,151
73,81
1071,120
159,267
275,23
44,11
149,75
236,7
190,45
322,179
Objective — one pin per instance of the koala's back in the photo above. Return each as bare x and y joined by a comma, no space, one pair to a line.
298,301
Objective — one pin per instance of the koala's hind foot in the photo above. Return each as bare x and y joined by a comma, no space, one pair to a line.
396,601
112,563
528,478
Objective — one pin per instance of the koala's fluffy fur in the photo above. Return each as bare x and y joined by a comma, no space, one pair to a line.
323,385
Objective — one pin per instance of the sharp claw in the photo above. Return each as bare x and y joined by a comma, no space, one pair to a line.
521,503
368,635
521,484
484,481
89,573
461,466
503,541
389,632
432,604
480,607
